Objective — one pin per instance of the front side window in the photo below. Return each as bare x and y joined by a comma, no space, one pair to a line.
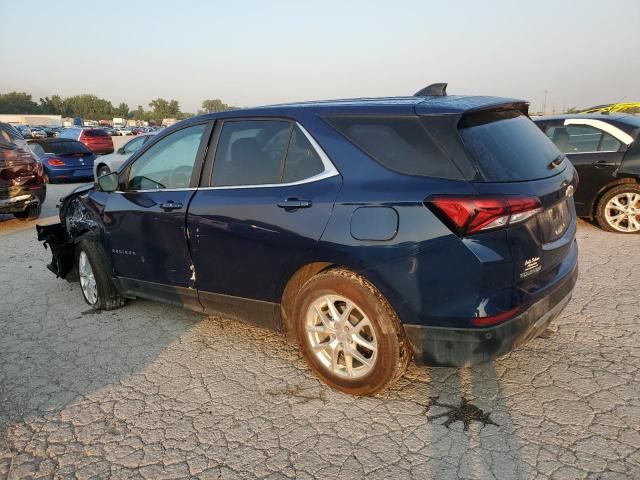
169,163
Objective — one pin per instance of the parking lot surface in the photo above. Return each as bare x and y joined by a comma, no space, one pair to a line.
153,391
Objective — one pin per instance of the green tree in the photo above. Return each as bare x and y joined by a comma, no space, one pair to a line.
88,106
162,108
52,106
121,111
215,105
17,102
572,110
139,113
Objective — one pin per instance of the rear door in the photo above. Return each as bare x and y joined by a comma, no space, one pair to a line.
145,220
269,193
514,157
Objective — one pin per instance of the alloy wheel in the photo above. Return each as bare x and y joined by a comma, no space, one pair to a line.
622,212
87,279
341,336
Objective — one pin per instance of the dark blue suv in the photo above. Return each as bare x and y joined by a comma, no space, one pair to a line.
371,231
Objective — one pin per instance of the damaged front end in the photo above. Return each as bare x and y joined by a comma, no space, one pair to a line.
76,222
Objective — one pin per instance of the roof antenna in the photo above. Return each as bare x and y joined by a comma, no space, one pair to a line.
433,90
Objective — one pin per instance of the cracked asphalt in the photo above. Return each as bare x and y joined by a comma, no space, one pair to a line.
153,391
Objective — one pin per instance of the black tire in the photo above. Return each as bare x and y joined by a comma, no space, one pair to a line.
108,297
601,208
102,170
393,352
30,213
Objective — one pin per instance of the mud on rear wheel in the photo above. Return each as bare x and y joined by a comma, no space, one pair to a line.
349,334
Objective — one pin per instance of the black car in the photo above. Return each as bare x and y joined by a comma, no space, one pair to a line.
606,153
22,186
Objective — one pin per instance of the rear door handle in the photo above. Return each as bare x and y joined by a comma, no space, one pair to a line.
293,204
168,206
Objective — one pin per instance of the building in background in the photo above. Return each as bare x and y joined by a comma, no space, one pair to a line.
32,119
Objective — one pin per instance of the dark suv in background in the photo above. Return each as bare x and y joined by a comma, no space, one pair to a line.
370,230
22,186
605,150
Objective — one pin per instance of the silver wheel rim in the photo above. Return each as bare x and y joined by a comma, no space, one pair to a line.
341,336
622,212
87,279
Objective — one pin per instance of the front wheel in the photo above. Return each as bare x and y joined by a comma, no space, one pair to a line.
95,277
619,209
349,334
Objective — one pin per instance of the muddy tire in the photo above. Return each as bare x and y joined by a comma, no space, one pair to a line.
95,277
618,210
349,334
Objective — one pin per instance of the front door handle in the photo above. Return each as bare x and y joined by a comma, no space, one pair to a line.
168,206
291,204
604,163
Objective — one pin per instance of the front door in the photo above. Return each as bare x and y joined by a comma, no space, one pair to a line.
271,194
145,219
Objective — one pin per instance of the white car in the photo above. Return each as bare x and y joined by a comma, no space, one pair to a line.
110,163
124,131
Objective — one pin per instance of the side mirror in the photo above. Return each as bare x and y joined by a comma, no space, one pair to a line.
120,151
108,182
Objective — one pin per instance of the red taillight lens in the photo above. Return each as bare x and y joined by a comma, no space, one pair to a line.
55,162
474,214
495,319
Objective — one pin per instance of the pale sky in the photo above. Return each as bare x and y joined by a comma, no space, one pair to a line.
261,52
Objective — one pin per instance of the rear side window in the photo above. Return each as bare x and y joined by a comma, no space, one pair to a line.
508,147
402,144
95,133
302,159
63,148
582,139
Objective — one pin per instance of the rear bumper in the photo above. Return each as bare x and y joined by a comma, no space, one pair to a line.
18,200
70,172
459,347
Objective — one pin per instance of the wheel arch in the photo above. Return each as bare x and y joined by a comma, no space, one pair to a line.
598,196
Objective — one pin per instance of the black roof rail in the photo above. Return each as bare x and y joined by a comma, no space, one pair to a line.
433,90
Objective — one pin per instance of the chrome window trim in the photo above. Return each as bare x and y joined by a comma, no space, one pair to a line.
329,171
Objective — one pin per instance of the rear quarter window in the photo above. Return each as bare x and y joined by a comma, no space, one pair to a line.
402,144
506,146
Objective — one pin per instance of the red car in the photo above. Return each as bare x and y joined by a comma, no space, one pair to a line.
22,186
95,139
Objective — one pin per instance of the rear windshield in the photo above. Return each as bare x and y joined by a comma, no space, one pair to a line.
62,148
96,133
398,143
508,147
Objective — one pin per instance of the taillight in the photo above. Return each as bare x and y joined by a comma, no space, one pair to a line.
55,162
495,319
475,214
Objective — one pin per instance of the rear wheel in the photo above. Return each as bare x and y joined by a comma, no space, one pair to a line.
95,278
103,170
619,209
349,334
30,213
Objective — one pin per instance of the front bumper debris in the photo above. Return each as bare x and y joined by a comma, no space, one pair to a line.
62,248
